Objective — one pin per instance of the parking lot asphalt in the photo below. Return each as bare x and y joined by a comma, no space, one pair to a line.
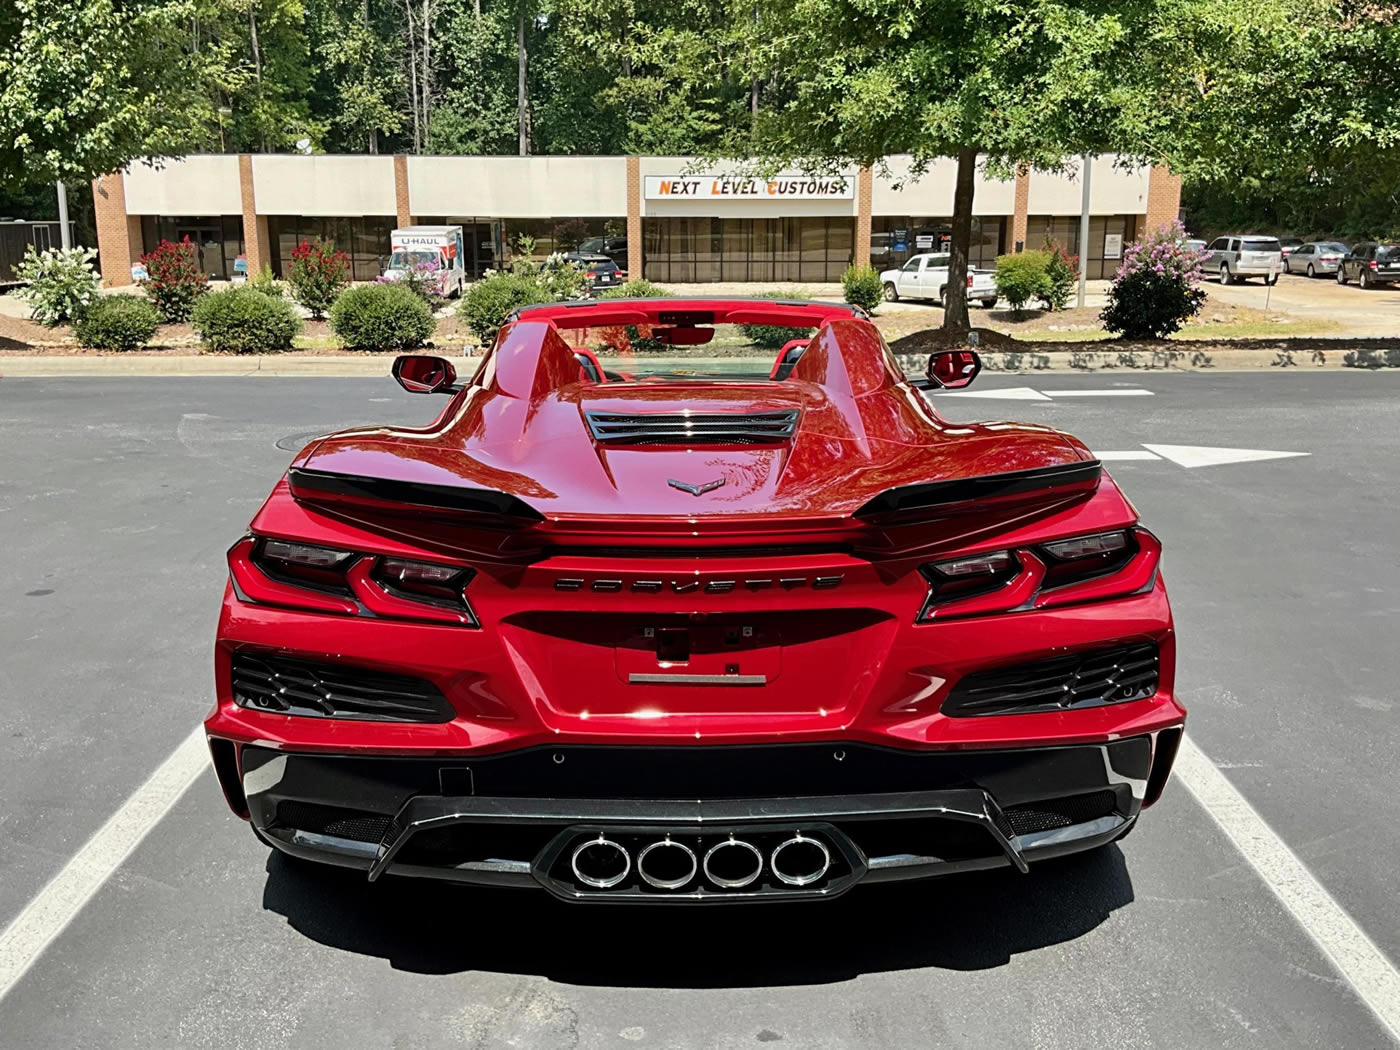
119,497
1353,311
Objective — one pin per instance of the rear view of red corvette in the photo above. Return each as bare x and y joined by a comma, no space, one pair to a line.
753,631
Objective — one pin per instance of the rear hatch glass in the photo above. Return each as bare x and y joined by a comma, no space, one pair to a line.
1259,244
1388,254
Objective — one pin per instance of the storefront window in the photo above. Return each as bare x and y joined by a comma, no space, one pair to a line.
560,234
894,238
364,238
1106,233
217,238
699,250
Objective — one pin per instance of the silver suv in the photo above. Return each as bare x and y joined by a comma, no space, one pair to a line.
1241,256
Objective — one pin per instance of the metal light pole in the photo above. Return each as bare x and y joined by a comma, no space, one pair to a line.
65,237
1084,231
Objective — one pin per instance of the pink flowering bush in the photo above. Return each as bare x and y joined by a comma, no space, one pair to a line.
1157,288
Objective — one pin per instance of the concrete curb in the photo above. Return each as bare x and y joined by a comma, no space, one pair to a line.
1015,362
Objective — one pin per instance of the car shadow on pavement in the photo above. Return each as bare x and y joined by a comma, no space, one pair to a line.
970,922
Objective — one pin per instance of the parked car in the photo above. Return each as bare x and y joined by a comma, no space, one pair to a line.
601,270
1241,256
1315,257
926,277
1288,245
893,649
1370,264
615,248
1194,244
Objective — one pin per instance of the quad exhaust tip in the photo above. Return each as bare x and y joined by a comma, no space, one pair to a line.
600,863
800,861
733,863
666,865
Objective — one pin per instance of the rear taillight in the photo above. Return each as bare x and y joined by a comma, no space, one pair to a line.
349,583
1372,264
969,280
1061,572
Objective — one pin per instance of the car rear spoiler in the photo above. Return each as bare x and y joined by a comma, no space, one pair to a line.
386,494
1062,480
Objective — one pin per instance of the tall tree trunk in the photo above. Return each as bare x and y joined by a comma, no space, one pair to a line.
257,68
413,76
955,291
521,89
427,89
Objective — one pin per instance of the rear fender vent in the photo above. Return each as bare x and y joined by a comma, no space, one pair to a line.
1087,679
300,687
692,428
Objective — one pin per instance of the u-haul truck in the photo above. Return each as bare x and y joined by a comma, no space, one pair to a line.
419,245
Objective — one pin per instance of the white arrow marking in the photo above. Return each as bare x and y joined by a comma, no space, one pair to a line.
1124,456
1206,456
1010,393
1130,392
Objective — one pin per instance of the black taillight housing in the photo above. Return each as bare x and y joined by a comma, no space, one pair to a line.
968,577
1083,558
305,564
425,581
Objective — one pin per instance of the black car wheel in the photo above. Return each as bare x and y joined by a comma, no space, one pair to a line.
1225,275
891,292
1311,273
1341,273
1365,281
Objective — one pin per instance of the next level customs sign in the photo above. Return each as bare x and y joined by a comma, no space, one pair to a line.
722,187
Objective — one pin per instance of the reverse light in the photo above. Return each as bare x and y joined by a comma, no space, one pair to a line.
304,564
1086,557
426,583
1086,546
961,578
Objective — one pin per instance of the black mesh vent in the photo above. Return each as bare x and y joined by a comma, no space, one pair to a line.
298,687
1092,679
1061,812
693,428
332,820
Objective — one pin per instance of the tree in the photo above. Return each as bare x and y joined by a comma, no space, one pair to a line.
983,81
87,85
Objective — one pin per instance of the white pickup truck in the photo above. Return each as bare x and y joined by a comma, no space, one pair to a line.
924,277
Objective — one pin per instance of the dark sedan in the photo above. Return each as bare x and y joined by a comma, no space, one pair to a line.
602,272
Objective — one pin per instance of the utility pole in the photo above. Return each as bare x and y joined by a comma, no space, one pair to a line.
1084,230
65,236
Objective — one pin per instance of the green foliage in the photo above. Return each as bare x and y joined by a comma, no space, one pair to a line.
1061,273
174,279
117,322
863,287
319,272
245,321
422,279
491,299
1022,277
381,317
637,288
772,336
60,284
267,284
1157,289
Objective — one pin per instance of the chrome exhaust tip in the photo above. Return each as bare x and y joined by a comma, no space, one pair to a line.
800,861
600,863
733,863
666,865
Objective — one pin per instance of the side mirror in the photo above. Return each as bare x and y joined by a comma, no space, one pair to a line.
422,374
953,369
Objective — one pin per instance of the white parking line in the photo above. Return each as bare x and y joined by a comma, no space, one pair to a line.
1126,455
1365,967
1129,392
46,916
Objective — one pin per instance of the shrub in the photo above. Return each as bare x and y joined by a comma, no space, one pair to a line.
863,287
246,321
1022,277
631,337
560,278
637,288
1061,273
490,299
174,279
423,279
61,284
1156,289
267,284
381,317
772,336
319,272
117,322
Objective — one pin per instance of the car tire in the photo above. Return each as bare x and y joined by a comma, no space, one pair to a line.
1341,274
989,304
1286,268
1225,276
1311,273
891,292
1365,280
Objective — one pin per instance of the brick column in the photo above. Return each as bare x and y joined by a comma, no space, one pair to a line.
865,187
401,204
118,234
634,218
257,242
1020,217
1163,198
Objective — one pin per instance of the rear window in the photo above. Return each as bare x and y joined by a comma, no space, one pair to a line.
1388,252
1260,244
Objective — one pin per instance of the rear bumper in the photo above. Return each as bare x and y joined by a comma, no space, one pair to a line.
524,818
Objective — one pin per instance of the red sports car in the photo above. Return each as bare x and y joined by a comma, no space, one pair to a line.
637,627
